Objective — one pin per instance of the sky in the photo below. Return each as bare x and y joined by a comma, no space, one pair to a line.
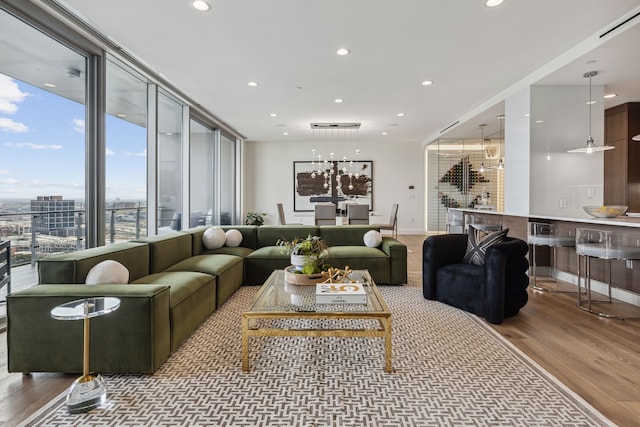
42,147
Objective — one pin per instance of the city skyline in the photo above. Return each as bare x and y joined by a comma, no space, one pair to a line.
42,140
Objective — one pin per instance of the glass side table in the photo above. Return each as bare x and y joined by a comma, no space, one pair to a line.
88,391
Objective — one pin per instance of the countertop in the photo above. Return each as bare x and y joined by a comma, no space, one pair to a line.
623,220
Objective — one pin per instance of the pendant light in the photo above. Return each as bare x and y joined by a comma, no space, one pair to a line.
500,164
481,169
590,147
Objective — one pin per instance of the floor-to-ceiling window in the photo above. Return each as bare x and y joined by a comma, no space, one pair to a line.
201,174
169,174
42,144
42,135
126,153
227,179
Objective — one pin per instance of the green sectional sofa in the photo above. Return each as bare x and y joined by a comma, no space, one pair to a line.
175,283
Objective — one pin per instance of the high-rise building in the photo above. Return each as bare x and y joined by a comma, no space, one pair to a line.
56,216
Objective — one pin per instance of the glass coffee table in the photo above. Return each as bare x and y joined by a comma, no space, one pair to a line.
277,301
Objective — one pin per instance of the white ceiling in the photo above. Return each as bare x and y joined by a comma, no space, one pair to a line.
470,51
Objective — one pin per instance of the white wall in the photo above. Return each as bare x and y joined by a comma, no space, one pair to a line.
268,175
560,182
516,153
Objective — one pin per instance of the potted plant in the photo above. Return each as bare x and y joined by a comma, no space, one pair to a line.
254,218
307,255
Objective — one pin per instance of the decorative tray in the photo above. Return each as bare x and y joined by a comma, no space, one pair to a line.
303,279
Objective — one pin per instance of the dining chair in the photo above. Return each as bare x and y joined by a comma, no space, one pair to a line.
282,220
357,213
393,221
325,214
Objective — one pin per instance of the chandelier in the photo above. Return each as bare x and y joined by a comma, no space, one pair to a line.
334,168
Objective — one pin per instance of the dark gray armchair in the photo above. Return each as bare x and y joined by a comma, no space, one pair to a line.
495,290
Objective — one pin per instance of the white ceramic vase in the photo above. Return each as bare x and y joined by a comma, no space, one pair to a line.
299,261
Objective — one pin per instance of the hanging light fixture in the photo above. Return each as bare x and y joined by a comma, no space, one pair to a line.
326,167
500,164
590,147
481,169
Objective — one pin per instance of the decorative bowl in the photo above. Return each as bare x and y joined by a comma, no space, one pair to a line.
610,211
290,276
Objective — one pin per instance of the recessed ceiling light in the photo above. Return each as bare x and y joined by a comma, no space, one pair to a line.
427,82
338,101
400,114
591,102
201,5
384,133
273,115
253,84
610,95
49,85
527,115
494,3
343,51
285,133
539,121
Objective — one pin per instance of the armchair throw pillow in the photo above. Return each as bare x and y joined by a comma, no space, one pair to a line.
478,243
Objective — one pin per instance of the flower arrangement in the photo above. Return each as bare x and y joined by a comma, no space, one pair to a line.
254,218
307,254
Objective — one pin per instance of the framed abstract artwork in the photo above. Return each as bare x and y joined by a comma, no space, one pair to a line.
334,182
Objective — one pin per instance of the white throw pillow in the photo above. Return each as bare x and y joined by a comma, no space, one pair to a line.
108,272
214,238
372,239
234,237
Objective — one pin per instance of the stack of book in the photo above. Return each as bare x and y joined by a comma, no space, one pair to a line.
340,293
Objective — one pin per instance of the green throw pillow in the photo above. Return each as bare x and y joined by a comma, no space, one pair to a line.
479,242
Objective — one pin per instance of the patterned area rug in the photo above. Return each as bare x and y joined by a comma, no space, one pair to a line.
451,369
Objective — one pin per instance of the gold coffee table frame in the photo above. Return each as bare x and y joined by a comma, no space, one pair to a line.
275,300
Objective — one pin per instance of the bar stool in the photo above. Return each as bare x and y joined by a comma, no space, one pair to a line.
607,245
483,223
543,234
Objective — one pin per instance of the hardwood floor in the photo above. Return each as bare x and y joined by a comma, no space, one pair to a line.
597,358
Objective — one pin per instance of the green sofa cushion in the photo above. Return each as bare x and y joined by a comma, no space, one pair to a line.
268,235
272,252
73,267
214,265
228,250
339,252
345,235
182,283
192,300
167,250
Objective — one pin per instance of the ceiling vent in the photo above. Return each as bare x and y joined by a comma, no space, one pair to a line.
335,125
